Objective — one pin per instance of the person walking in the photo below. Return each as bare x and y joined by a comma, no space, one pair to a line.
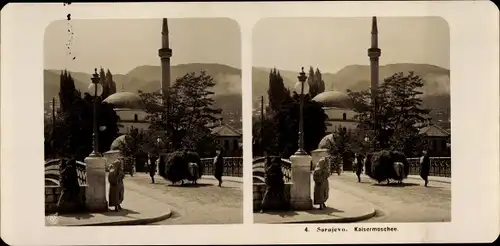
358,160
219,166
321,185
116,188
274,196
425,166
69,184
152,168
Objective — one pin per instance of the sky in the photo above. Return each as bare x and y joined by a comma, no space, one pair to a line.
122,45
333,43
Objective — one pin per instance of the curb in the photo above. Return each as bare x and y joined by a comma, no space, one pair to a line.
366,216
144,221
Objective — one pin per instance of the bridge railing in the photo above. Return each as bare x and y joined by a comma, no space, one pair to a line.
233,166
53,172
439,166
259,170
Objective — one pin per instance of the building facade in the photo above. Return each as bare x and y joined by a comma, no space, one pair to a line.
229,139
130,109
338,108
436,141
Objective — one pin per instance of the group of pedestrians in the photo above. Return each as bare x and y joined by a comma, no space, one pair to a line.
154,162
425,163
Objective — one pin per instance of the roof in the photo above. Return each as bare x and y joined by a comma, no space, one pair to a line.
224,130
336,99
126,100
434,131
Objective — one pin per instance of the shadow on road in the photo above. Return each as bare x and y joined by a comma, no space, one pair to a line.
190,185
395,184
432,187
327,210
81,216
282,214
123,212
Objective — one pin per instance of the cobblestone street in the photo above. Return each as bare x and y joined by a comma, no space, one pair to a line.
205,203
410,202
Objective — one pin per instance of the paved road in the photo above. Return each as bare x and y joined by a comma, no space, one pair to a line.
411,202
203,204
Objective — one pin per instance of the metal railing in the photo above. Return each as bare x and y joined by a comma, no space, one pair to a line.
439,166
259,170
53,172
233,166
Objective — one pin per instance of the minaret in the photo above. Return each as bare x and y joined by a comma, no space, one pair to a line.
374,53
165,53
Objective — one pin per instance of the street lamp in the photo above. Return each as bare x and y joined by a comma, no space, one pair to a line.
302,88
95,90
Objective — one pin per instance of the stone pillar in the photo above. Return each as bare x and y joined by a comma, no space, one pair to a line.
95,194
300,195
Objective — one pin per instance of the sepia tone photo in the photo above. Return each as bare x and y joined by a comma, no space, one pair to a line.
351,120
143,122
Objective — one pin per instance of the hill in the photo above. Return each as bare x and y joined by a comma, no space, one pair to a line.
357,77
147,79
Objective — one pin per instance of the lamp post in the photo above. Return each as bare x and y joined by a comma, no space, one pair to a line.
300,192
95,90
302,88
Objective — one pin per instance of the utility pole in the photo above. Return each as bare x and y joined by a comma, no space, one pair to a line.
53,124
53,113
262,125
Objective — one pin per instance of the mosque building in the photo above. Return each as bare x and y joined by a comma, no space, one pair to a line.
338,108
337,105
129,106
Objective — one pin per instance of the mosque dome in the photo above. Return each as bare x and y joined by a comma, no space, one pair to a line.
335,99
126,100
325,142
116,143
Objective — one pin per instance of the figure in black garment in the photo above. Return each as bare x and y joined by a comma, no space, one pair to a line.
274,196
359,165
69,184
152,168
219,167
425,166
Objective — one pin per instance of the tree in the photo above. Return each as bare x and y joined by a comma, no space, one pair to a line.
277,93
315,81
67,91
71,135
342,145
110,83
286,125
265,140
135,146
107,121
319,82
189,122
399,113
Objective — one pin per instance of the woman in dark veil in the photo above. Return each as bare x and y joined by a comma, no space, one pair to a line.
274,196
425,166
